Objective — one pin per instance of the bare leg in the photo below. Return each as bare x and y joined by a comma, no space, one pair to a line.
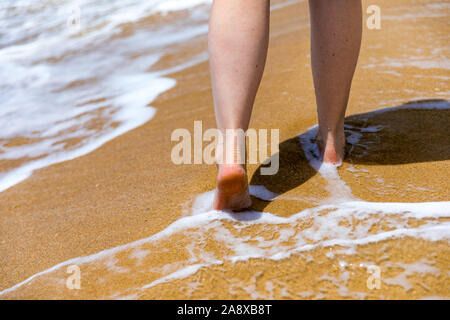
238,41
336,28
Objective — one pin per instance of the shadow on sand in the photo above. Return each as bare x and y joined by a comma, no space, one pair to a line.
418,131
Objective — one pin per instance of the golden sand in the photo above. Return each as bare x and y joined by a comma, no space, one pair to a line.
129,189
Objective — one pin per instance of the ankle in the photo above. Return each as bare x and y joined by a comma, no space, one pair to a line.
334,135
331,143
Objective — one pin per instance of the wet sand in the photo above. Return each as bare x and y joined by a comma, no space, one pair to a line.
129,189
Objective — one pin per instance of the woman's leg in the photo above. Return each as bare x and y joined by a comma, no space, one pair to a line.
336,28
238,41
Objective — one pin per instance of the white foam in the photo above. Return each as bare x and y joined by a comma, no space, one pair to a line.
179,274
174,5
41,63
339,191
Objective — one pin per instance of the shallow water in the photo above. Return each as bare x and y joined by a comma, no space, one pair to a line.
78,73
203,244
67,88
60,99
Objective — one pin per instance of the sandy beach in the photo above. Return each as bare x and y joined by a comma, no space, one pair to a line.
122,205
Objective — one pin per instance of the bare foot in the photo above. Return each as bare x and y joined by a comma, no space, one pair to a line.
331,147
232,188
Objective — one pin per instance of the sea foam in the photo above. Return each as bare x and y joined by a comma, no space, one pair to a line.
67,91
